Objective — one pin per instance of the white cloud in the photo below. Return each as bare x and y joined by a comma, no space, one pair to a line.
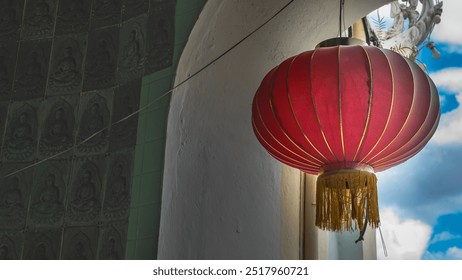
443,236
448,78
450,127
450,48
426,186
443,100
453,253
449,30
404,239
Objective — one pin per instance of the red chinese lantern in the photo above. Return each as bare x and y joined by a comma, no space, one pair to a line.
345,112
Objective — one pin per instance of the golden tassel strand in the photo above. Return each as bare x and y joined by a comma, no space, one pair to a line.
345,199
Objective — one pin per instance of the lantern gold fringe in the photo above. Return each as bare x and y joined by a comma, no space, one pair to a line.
345,199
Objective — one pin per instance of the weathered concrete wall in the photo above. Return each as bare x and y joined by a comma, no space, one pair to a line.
221,193
69,70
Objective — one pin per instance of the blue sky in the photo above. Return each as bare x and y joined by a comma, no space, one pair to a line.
421,199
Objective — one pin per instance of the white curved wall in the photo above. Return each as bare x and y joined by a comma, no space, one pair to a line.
221,191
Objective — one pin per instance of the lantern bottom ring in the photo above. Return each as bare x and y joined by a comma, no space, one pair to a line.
346,200
346,165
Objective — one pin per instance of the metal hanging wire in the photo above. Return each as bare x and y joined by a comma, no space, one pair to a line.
341,18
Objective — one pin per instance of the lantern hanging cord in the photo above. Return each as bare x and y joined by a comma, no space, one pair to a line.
165,94
341,17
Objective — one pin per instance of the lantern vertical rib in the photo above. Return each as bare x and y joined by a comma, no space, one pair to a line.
276,120
405,122
339,92
420,143
431,113
369,107
315,108
389,112
295,116
278,116
273,137
415,118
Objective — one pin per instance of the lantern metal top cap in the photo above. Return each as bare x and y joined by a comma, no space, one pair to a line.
340,41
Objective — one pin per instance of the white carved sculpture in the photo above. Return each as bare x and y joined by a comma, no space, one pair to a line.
406,40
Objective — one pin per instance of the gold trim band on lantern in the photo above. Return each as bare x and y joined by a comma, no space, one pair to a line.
348,165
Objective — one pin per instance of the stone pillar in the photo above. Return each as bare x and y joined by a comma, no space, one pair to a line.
311,232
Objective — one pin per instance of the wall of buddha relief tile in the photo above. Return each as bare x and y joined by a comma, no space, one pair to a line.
116,201
20,137
15,192
80,243
160,39
94,121
3,115
73,16
48,195
105,13
11,245
124,120
44,244
11,14
132,49
86,191
70,82
112,242
32,69
39,19
101,59
58,119
8,51
65,76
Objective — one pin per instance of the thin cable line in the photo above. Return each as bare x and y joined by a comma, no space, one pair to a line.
158,98
384,246
343,16
340,19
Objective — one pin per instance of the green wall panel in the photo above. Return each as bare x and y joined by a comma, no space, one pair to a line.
146,194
